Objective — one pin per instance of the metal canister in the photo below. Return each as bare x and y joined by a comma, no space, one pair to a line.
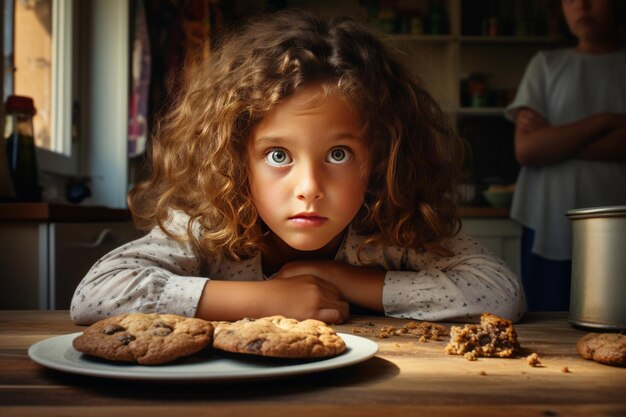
598,292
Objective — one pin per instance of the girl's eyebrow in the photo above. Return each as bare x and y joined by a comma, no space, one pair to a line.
273,140
269,140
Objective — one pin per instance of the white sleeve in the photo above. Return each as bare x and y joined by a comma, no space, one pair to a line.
532,90
153,274
463,286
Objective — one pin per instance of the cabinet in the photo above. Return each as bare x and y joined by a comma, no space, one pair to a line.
500,236
43,258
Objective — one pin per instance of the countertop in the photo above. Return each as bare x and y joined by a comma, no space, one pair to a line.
406,377
55,212
69,212
484,212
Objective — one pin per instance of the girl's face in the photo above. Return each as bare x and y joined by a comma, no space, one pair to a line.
588,20
308,168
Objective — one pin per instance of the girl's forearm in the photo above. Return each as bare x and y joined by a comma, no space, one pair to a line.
226,301
359,285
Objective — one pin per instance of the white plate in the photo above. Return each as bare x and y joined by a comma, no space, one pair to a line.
58,353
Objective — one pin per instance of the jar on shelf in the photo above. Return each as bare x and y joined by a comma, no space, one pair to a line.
20,148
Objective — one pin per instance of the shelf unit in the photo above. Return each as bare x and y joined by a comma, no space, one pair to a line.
443,61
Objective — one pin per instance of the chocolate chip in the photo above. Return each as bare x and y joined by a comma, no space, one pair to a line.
125,338
255,345
114,328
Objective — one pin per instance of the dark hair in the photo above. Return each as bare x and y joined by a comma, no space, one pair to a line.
200,145
555,13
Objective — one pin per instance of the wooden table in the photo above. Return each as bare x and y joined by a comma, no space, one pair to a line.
406,377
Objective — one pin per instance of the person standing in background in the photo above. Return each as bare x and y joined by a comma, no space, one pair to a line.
570,139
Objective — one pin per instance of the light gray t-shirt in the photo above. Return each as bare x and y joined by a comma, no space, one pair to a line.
565,86
157,274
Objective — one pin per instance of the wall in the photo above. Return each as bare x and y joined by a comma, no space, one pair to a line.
104,112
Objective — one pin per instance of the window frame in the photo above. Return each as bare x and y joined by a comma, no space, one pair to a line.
63,158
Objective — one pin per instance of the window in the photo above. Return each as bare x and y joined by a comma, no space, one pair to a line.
37,64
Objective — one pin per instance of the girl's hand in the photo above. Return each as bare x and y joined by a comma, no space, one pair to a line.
357,284
304,297
299,297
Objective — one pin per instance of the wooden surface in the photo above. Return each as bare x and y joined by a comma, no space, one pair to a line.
53,212
406,377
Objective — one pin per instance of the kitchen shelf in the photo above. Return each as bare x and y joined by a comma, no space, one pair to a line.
481,111
507,40
423,38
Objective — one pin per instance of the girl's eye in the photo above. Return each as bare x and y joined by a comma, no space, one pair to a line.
339,156
277,158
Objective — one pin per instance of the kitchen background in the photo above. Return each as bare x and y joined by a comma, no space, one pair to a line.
112,65
470,53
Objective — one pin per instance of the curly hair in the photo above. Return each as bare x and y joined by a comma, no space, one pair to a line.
199,146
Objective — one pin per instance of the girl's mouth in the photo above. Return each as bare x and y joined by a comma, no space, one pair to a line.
308,219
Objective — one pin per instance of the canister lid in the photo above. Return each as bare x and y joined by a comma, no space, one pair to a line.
20,104
606,211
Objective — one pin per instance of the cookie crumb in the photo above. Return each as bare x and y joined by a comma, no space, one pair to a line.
565,370
533,360
470,356
423,330
493,337
482,373
364,328
386,331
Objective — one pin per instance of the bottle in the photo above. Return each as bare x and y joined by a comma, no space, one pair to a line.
20,148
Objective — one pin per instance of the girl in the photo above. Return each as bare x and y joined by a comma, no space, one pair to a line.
570,138
300,172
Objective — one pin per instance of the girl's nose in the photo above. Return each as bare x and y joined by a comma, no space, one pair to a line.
309,184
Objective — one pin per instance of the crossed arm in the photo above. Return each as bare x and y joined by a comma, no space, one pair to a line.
307,289
601,137
157,274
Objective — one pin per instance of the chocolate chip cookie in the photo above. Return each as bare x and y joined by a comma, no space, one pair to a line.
148,339
606,348
279,337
